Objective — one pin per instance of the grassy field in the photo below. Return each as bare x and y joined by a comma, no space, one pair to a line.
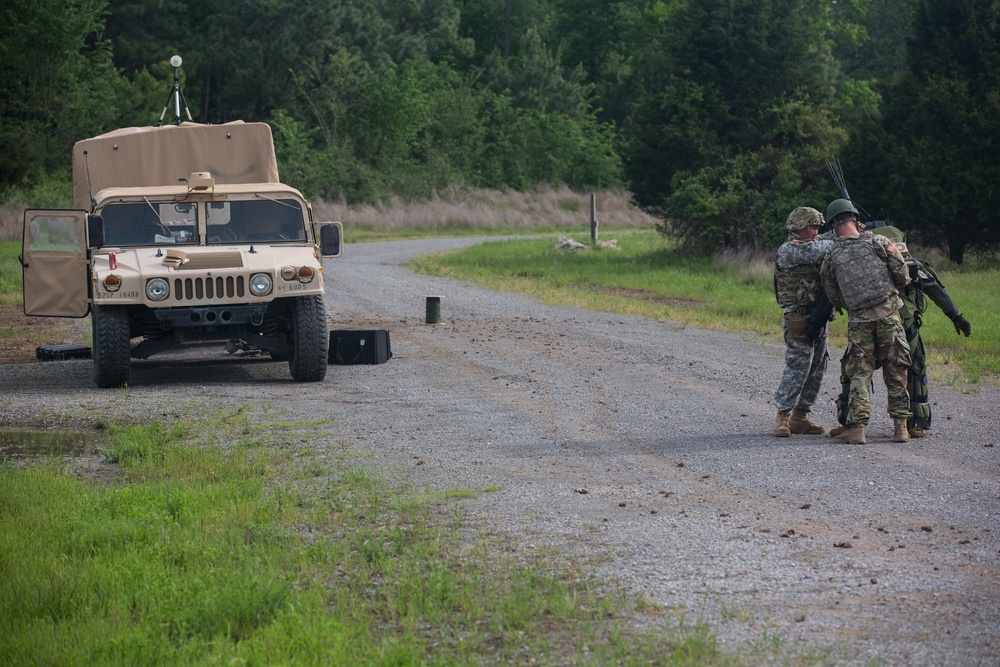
189,551
649,277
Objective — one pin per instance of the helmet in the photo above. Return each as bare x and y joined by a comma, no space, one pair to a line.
803,217
891,232
839,207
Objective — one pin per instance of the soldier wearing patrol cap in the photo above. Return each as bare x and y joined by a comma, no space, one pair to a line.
798,291
924,283
862,275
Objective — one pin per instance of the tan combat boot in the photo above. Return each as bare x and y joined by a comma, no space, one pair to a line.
799,423
916,432
853,435
781,424
837,430
899,432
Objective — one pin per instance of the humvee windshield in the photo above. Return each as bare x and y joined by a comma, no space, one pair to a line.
150,223
234,221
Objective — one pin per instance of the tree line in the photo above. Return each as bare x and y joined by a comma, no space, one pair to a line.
718,115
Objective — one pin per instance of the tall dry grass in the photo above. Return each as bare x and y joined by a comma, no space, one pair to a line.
11,216
454,209
491,210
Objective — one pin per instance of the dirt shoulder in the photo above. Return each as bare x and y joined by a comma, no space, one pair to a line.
22,334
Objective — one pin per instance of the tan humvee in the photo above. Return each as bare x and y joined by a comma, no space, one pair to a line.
180,234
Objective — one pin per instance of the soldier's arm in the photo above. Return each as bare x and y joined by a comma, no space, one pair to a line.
830,287
932,287
893,258
795,254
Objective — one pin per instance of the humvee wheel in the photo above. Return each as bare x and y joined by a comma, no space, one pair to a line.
310,339
111,346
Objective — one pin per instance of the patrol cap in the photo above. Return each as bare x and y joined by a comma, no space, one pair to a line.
803,217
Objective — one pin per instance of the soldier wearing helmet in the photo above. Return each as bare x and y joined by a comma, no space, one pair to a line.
924,283
798,291
862,275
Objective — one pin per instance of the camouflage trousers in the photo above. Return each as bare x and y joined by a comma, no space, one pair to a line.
916,384
870,345
805,364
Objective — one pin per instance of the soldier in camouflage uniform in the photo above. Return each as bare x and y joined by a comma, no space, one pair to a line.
862,274
923,283
798,290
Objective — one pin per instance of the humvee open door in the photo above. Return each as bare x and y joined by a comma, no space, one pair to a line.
54,260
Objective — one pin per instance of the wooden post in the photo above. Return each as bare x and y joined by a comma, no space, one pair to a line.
593,218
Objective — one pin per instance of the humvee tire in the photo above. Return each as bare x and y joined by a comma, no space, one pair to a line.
111,346
310,339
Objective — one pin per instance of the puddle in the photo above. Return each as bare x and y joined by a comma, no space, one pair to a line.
36,445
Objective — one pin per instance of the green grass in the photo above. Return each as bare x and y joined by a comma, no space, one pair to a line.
10,273
248,554
651,278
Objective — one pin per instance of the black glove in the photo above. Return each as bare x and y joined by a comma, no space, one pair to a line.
815,330
962,325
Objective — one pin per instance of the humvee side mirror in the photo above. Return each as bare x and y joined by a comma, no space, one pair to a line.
95,231
328,237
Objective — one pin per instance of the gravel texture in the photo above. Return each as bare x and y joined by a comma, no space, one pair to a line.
640,451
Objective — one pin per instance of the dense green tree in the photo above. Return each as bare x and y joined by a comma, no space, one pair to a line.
536,79
58,84
734,118
605,39
933,161
241,56
501,25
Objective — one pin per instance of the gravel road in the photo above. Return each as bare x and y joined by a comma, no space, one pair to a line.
638,449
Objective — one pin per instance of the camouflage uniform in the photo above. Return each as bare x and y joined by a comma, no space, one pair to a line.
805,359
923,283
875,333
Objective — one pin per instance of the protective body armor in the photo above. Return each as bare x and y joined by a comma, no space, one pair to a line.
798,287
862,275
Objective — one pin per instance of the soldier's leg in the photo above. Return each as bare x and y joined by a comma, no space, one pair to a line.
820,357
844,399
916,385
894,353
859,366
798,359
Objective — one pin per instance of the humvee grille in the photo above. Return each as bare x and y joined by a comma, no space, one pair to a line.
198,289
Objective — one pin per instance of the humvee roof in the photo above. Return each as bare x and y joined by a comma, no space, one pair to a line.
232,153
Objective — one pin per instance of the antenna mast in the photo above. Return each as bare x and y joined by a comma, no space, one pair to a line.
176,95
837,174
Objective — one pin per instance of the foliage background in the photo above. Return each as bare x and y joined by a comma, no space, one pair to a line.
718,115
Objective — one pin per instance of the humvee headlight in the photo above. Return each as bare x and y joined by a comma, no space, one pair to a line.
157,289
306,274
260,284
112,282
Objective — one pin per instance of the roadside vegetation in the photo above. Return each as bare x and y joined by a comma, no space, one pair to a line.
235,543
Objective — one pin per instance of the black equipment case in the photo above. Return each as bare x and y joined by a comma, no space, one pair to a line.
359,347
